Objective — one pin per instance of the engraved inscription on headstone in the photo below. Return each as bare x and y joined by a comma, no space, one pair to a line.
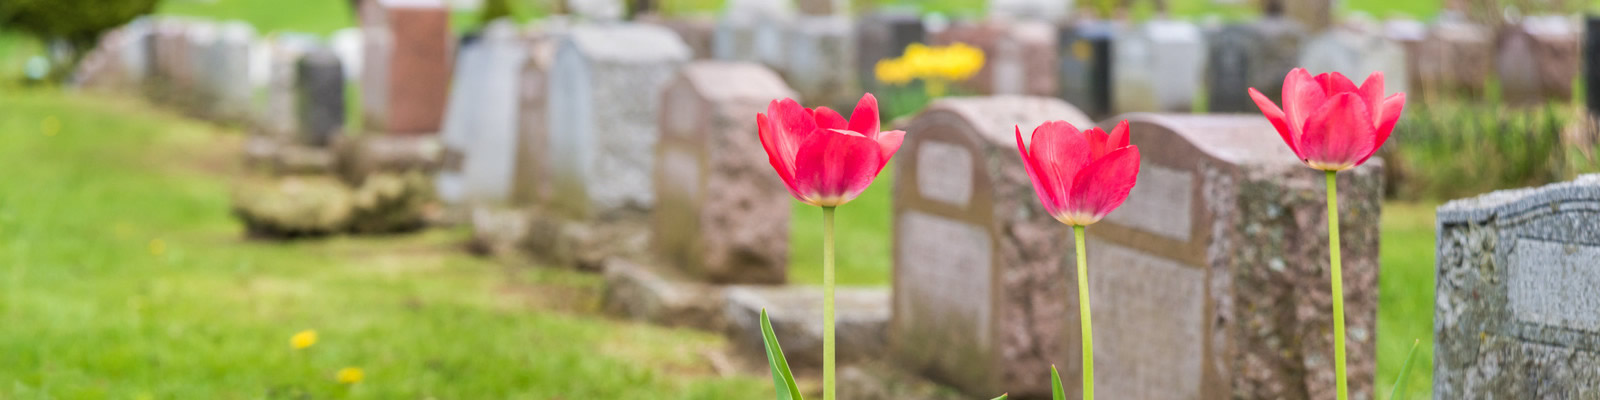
1160,203
946,173
1150,349
941,253
1550,284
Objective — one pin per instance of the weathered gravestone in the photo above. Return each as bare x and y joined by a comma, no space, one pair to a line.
279,118
603,129
1517,315
884,35
1356,54
1537,60
720,214
1085,65
1215,269
481,123
405,65
197,84
979,296
1159,66
1019,56
347,44
1456,58
531,183
320,95
168,60
118,61
697,32
1042,10
1255,55
229,66
817,47
753,30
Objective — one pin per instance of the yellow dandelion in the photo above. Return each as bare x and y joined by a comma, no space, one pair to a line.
304,339
892,72
351,375
50,125
158,247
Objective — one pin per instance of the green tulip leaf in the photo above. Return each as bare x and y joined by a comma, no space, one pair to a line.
1055,384
782,378
1399,389
1002,397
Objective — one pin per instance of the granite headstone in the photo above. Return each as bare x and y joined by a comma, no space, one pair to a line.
1085,65
1254,55
405,65
320,95
1159,66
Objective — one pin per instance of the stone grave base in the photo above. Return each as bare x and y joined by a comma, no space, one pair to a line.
359,157
583,245
280,158
644,293
316,205
878,380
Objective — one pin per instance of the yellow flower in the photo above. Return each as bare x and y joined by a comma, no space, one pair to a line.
893,72
350,375
158,247
304,339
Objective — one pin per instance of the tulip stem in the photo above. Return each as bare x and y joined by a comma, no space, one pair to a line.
1338,285
827,305
1083,312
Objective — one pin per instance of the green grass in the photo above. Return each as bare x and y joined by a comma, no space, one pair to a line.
123,276
312,16
1406,295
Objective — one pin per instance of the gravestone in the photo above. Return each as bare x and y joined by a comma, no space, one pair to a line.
697,32
753,30
1314,15
1255,55
1085,65
1410,35
467,86
1221,288
1356,54
1159,66
1516,314
405,65
229,64
347,44
823,7
198,79
320,95
531,183
817,47
1043,10
1457,57
490,162
603,130
1591,61
598,10
167,51
279,118
721,214
884,35
978,287
1019,56
1537,60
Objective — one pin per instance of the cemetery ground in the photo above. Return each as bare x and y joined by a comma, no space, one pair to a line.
124,276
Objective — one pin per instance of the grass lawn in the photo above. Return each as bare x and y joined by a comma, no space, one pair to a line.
123,276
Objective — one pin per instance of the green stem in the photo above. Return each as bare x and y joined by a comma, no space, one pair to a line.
1083,313
1338,285
827,304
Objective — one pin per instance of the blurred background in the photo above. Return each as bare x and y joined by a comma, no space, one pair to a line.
126,276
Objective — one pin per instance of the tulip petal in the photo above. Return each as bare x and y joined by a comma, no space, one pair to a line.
1103,185
793,123
1097,139
1372,93
1301,96
1335,83
1388,115
888,144
769,141
1041,186
1275,115
1119,135
1059,151
1339,135
827,118
834,166
864,119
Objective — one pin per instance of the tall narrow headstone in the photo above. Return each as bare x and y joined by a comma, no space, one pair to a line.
482,125
1159,67
603,129
1085,65
817,47
1537,60
406,65
1255,55
721,215
979,293
531,184
1356,54
1019,56
884,35
230,69
1516,312
320,94
1221,288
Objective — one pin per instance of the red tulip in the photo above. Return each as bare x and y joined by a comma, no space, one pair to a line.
1080,176
1328,121
823,159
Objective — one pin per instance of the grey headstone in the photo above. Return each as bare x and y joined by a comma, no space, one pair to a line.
491,155
279,118
1537,60
1085,65
320,94
230,71
460,123
200,96
1159,66
1255,55
1356,54
817,47
1517,314
603,130
753,30
347,44
1043,10
881,36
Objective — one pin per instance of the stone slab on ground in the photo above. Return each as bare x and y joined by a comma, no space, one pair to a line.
1517,314
656,295
862,322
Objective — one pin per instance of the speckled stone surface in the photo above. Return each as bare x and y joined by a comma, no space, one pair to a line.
1517,313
